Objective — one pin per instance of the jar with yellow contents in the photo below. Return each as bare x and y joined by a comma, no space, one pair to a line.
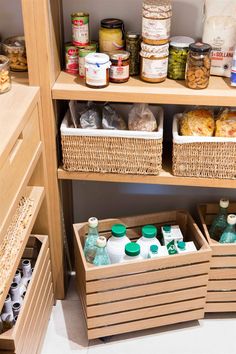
111,35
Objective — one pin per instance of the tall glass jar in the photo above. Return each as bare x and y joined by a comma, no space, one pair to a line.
179,47
198,66
133,47
156,21
14,48
111,35
5,78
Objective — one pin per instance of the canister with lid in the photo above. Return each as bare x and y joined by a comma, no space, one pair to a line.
154,62
119,70
133,47
179,47
111,35
14,48
156,21
97,70
198,65
83,52
80,28
5,78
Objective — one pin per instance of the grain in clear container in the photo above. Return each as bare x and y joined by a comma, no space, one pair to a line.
5,76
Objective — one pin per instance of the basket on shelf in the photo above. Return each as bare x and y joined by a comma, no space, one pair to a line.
112,151
221,290
211,157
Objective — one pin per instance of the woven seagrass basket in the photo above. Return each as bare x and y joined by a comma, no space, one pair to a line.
210,157
112,151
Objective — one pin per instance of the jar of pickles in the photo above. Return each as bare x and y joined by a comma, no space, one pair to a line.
111,35
5,78
198,66
133,47
179,47
14,49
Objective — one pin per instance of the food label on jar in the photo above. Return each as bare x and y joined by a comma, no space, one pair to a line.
156,29
80,32
109,46
96,76
154,69
119,72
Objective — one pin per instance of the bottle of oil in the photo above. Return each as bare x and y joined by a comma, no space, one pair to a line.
90,247
220,222
229,234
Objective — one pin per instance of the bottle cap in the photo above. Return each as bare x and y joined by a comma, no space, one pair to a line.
167,228
101,241
93,222
132,249
132,35
154,248
118,230
231,219
119,55
149,231
224,203
181,245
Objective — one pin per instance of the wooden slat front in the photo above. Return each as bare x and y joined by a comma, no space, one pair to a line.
221,285
223,262
222,273
221,296
220,307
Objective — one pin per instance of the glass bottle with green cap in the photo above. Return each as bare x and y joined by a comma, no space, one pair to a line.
90,247
220,222
101,257
132,252
149,237
229,234
116,243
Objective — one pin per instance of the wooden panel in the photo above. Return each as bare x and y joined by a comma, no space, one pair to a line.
221,285
222,296
143,290
140,314
223,262
220,307
147,301
144,324
223,273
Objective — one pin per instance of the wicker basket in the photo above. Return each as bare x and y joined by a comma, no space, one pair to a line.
112,151
210,157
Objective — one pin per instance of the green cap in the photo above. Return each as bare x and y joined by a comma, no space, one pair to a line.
154,248
118,230
181,245
149,231
132,249
167,228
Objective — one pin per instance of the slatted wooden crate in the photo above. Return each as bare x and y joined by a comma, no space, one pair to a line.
143,294
30,327
221,293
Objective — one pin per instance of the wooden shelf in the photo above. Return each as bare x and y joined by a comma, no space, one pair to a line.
37,195
20,78
219,92
165,178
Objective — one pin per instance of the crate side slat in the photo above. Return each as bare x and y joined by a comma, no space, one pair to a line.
221,296
221,285
220,307
222,273
223,262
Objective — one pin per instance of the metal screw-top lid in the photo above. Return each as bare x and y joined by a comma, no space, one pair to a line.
149,231
181,41
101,241
119,55
132,249
154,248
112,23
224,203
200,47
231,219
93,222
118,230
167,228
132,35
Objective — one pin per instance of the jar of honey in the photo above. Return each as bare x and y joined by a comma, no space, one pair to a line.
111,35
119,70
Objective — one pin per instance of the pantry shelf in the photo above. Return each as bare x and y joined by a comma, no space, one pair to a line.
219,92
165,178
36,194
20,78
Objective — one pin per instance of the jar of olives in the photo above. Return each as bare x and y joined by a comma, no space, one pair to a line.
133,47
178,52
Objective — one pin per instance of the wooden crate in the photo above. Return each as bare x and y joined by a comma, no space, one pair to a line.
221,291
149,293
26,335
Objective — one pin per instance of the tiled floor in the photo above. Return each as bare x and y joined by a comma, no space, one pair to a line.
66,335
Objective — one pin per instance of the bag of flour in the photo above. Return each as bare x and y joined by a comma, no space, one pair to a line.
220,32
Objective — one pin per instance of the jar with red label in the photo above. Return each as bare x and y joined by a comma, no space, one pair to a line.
119,70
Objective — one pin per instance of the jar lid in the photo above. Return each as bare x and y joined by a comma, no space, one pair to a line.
132,35
181,41
231,219
112,23
118,230
167,228
15,42
181,245
97,58
132,249
101,241
93,222
149,231
200,47
224,203
117,55
154,248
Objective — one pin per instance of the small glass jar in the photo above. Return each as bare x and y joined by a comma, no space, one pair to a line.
133,47
119,70
97,67
156,21
111,35
198,66
5,76
154,62
14,49
179,47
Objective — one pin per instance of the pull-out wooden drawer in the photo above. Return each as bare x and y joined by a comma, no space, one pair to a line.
30,327
16,165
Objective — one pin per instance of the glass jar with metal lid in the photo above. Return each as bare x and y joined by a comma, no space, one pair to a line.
14,49
198,65
179,47
119,70
133,47
97,70
111,35
5,78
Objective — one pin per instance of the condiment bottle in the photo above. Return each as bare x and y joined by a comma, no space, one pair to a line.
101,257
111,35
91,240
198,66
133,47
5,77
220,222
116,243
179,47
229,234
132,252
119,70
149,233
97,70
